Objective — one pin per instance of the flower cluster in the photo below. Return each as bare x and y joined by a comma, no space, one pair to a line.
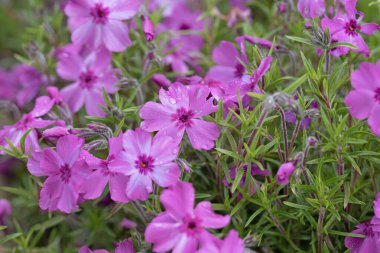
177,126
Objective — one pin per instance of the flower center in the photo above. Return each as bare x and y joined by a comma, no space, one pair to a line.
191,225
239,70
100,14
87,79
377,95
184,26
183,118
144,164
351,27
65,172
23,124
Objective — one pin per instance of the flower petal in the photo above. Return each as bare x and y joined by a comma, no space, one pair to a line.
166,175
360,103
178,200
202,134
209,218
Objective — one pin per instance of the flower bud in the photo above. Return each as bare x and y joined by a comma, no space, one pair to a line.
55,133
148,29
312,141
282,7
284,173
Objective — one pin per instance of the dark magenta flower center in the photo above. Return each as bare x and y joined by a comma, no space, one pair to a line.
377,95
144,164
184,27
239,70
352,27
23,124
191,225
183,118
87,79
100,13
65,173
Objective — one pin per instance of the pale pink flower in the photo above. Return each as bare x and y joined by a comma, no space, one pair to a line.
101,23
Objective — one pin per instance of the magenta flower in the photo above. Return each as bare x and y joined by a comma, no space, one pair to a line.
85,249
30,80
364,100
125,246
182,228
95,183
310,9
146,159
256,41
181,49
5,210
228,66
371,243
28,121
181,110
8,86
65,169
347,28
228,77
232,243
89,75
284,173
100,23
376,205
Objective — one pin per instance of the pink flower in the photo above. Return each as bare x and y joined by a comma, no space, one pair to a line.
376,205
228,66
5,210
30,80
65,169
232,243
95,183
371,243
85,249
8,86
125,246
146,159
181,110
284,173
310,9
100,23
228,77
364,100
346,28
257,41
89,75
28,121
182,228
181,49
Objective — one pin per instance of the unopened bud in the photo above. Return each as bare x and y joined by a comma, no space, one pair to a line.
183,164
312,141
148,29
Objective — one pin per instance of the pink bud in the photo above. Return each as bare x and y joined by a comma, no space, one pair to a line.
161,80
282,7
55,133
284,173
148,29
